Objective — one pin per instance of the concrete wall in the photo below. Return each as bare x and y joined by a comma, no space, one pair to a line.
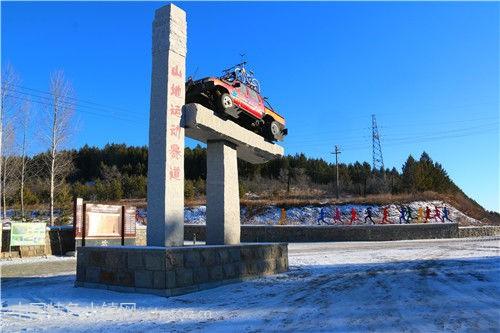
176,270
482,231
284,233
106,242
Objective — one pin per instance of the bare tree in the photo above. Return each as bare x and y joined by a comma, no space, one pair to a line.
59,117
8,168
9,81
24,127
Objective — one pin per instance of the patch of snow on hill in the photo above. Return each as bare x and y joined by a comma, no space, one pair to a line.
195,215
310,215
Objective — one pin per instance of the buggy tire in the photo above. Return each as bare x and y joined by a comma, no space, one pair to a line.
273,131
225,103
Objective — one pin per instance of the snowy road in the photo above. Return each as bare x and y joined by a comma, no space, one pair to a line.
407,286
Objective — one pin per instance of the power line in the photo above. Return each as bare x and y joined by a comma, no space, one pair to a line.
79,100
104,111
422,130
119,115
82,111
46,100
421,135
427,139
355,142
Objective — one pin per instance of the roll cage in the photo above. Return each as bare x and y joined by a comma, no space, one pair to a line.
239,73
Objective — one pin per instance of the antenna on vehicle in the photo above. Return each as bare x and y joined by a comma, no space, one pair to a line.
194,74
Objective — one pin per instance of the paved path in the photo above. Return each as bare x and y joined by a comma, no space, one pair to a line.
37,266
62,265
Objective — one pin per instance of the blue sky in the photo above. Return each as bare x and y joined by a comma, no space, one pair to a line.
429,71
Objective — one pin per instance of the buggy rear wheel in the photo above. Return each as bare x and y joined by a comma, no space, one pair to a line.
273,131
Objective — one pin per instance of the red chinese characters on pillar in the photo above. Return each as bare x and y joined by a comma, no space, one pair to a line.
175,147
175,71
175,130
175,110
175,90
175,173
175,151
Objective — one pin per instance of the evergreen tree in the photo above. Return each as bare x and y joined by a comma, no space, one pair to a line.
408,175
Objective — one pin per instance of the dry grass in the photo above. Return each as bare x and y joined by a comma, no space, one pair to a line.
318,198
458,200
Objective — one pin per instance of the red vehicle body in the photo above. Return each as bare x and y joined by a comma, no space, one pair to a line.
231,98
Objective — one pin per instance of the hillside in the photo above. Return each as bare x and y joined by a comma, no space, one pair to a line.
325,214
306,210
119,172
459,201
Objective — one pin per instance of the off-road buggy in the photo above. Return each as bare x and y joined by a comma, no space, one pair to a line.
236,95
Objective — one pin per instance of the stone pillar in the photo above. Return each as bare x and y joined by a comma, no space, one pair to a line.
166,136
223,200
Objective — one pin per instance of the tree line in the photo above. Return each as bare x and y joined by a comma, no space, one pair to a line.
118,171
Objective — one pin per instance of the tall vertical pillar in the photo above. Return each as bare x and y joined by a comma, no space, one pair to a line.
223,200
166,135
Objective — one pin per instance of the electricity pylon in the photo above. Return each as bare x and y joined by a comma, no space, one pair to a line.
378,159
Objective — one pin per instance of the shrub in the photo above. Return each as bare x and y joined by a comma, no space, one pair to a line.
189,189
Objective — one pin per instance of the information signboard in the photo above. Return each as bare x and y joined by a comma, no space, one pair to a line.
103,221
26,234
104,224
129,221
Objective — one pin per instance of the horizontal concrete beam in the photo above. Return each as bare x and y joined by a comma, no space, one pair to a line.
201,124
171,271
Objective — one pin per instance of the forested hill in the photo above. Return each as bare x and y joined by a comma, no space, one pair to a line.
118,171
118,161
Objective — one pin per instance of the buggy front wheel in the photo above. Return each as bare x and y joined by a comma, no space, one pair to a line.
226,102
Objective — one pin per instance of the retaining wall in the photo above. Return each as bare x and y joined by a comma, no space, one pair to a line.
288,233
176,270
480,231
58,241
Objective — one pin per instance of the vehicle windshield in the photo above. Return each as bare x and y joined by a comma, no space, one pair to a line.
269,106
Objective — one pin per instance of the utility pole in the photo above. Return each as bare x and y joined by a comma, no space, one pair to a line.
337,152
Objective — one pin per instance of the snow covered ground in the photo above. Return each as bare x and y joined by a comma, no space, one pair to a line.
308,215
36,266
50,260
405,286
